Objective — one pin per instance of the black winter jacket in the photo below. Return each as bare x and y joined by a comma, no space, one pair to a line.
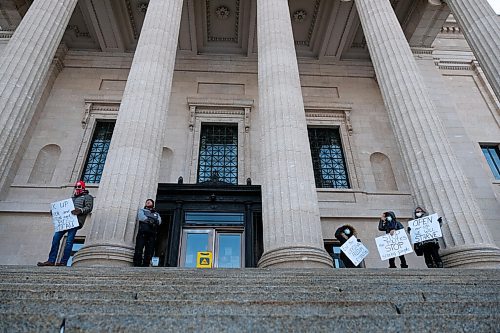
388,226
85,202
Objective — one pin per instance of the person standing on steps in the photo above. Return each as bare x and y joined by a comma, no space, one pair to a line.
428,248
389,224
149,222
84,204
343,234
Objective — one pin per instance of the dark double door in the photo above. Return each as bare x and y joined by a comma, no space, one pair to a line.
221,218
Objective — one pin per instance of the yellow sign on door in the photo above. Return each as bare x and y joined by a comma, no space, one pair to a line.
204,260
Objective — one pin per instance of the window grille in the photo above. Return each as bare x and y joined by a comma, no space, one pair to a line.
218,159
98,151
328,158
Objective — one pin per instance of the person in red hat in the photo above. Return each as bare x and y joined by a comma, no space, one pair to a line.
83,203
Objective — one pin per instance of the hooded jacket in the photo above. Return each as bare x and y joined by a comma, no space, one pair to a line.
85,202
338,233
386,226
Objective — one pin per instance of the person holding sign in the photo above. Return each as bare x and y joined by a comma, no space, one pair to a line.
429,247
343,234
83,203
389,224
149,221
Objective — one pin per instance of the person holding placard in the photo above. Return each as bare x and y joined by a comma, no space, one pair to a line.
343,234
429,248
389,224
83,203
149,222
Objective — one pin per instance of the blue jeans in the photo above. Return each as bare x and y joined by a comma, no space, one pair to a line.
67,248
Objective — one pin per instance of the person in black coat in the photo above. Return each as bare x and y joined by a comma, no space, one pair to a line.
389,224
343,234
149,223
428,248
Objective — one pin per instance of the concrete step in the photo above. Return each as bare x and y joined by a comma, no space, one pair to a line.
248,323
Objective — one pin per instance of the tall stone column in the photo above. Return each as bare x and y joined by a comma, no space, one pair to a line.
130,174
435,177
481,28
24,65
290,212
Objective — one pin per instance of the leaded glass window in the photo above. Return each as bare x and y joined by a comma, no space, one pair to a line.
98,151
328,158
218,159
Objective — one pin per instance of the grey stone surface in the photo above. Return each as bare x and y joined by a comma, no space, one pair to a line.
185,300
481,28
24,64
130,175
435,176
290,211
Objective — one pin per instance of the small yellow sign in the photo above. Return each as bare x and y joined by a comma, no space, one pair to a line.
204,260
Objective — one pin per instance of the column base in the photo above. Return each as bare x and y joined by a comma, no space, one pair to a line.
109,255
296,257
472,256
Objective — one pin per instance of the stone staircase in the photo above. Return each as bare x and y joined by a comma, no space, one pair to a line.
60,299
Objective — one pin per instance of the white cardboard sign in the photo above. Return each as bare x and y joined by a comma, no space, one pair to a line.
393,246
425,228
61,215
354,250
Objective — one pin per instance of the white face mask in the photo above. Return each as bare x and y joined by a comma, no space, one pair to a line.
388,218
347,231
419,214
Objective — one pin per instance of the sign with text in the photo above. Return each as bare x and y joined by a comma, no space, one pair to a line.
393,246
425,228
62,217
354,250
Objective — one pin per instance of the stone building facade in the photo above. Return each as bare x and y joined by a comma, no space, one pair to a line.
259,126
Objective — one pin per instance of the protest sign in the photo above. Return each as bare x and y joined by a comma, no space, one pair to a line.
61,215
393,246
354,250
425,228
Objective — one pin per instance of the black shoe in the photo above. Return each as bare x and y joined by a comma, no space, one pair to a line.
404,266
46,263
392,267
61,264
439,265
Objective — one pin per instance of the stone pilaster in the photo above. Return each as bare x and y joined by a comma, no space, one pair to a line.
434,174
481,28
24,65
130,175
291,223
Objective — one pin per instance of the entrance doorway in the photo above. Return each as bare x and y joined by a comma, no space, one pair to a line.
226,246
222,218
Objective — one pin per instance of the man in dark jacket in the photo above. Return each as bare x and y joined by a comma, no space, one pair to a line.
149,222
389,224
83,203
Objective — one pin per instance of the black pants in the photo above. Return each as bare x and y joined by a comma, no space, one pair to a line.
392,262
431,255
347,262
144,240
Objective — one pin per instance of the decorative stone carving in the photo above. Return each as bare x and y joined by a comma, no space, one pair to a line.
299,16
222,12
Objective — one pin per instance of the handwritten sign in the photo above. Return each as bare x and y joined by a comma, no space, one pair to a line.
393,246
354,250
62,217
425,228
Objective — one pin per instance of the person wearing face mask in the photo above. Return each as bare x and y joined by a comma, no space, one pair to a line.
429,248
149,222
343,234
389,224
83,203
